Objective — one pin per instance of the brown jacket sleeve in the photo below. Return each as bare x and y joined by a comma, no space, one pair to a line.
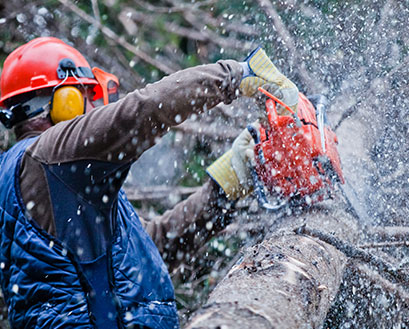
181,231
120,132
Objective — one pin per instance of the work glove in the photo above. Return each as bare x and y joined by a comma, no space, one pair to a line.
232,171
258,71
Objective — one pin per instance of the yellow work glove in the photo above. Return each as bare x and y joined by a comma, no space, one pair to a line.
232,171
259,70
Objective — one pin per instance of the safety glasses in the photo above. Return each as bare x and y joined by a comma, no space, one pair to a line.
107,87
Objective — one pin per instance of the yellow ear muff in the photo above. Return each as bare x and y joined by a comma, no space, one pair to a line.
66,104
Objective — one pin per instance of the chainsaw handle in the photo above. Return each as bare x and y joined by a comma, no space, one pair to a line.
277,100
255,134
271,108
260,195
258,185
271,112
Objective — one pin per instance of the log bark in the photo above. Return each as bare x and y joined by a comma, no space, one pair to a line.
289,280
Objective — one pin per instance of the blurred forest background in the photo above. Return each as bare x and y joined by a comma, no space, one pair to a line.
355,52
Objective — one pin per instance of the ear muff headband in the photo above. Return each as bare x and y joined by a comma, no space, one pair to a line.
66,103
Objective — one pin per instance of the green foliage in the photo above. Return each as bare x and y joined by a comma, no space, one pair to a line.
193,283
196,164
195,170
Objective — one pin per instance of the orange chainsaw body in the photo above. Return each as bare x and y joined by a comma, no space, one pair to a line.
293,161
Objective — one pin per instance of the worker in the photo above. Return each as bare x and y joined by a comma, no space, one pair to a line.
73,252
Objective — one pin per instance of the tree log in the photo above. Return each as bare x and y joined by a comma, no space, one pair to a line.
288,280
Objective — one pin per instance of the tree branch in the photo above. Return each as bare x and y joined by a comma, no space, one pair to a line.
310,82
95,9
389,233
353,252
390,244
117,39
201,129
157,192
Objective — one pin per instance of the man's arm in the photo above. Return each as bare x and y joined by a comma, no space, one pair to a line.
117,134
122,131
181,231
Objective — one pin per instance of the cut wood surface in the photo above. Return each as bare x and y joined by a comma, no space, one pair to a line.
289,280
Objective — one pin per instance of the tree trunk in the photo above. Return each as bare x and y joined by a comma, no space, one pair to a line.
287,281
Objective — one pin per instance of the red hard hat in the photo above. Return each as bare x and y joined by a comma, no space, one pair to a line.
42,63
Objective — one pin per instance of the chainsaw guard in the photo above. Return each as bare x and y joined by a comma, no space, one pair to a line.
291,160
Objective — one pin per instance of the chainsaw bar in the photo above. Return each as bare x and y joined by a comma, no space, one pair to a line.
356,208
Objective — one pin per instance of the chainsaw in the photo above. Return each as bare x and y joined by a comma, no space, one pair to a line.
296,155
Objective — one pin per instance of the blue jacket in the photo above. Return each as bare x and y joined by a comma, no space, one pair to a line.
46,285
